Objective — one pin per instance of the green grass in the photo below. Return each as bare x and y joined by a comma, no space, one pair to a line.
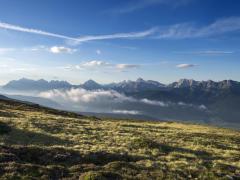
40,143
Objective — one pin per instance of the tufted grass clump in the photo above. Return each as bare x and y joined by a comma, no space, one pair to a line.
100,175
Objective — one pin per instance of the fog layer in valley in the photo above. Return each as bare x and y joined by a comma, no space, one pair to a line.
110,101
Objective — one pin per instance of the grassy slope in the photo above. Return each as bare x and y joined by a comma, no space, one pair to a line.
40,143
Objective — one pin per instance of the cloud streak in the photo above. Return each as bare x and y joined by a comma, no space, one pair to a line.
131,35
177,31
208,52
187,30
81,39
185,66
131,112
155,103
126,66
141,4
33,31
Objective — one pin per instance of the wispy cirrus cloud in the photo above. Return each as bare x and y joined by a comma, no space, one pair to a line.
176,31
206,52
131,35
185,66
77,40
189,30
33,31
141,4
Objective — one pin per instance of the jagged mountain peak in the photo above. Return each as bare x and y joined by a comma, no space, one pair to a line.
91,84
90,81
184,83
140,80
136,86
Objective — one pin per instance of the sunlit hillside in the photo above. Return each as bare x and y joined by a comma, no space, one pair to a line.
41,143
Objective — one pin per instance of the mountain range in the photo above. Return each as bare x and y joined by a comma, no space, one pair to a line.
209,101
125,86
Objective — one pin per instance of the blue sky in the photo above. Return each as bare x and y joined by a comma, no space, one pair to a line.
112,40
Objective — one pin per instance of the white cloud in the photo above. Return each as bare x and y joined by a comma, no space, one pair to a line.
156,103
96,96
107,101
188,30
85,96
184,66
201,107
94,64
61,49
182,104
98,51
126,66
132,112
92,101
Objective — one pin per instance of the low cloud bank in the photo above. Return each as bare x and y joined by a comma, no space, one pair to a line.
155,103
132,112
84,96
79,99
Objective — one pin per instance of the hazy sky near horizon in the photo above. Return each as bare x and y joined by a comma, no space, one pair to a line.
112,40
